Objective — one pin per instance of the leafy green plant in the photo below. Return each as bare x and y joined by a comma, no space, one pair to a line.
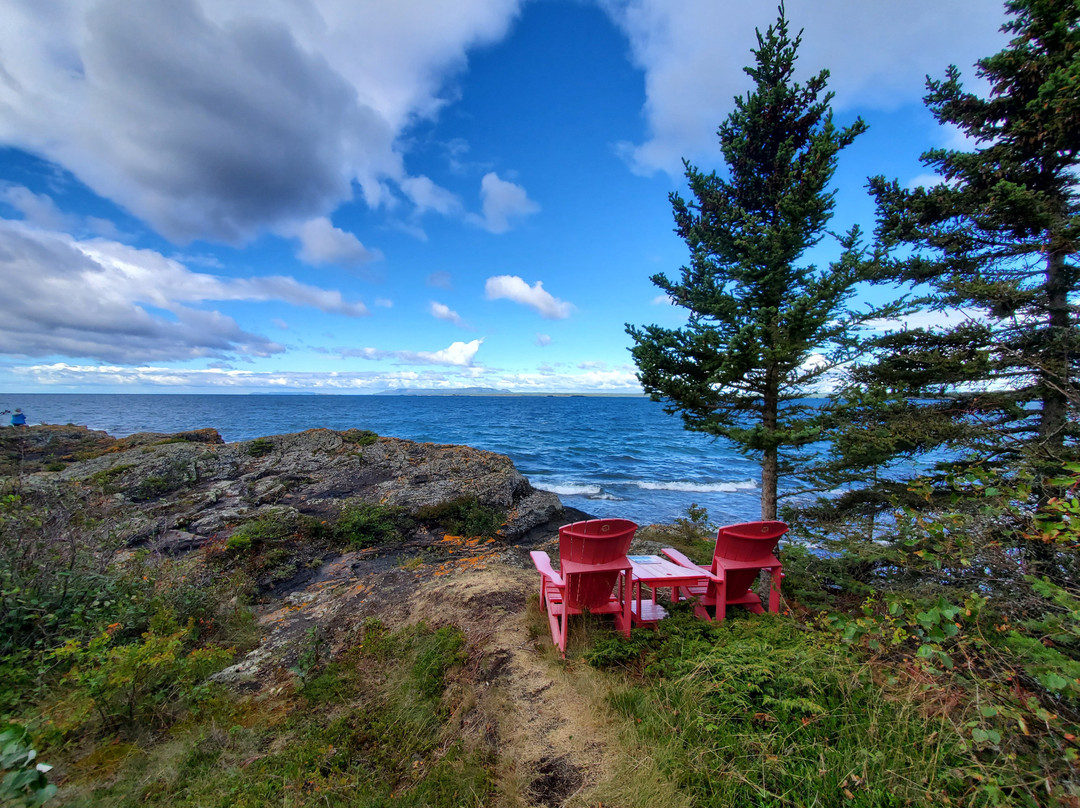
147,682
23,783
260,447
360,437
152,488
312,652
366,524
464,516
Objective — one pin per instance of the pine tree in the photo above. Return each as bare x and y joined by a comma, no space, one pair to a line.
762,328
998,239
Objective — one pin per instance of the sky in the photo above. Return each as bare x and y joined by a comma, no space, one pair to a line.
332,196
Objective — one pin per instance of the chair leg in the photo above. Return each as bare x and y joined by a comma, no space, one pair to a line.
721,602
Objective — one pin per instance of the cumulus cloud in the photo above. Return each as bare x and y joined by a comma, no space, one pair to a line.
97,299
693,52
384,302
426,195
458,354
219,376
216,120
543,340
322,243
503,204
441,311
511,287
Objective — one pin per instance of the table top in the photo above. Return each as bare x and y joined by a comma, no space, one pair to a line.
651,568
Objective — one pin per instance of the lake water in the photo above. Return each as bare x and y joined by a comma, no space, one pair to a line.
606,456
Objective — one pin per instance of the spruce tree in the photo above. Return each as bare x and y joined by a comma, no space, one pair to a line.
762,327
997,240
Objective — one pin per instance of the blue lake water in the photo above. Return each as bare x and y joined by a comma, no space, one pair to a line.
606,456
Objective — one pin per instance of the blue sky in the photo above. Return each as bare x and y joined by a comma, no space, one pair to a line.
344,197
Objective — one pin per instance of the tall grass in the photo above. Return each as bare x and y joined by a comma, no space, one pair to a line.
766,712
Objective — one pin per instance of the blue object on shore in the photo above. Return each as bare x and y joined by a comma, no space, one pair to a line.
18,419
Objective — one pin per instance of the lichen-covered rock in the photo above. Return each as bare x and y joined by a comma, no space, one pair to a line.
174,492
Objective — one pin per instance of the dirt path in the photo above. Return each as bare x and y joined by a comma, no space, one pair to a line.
527,706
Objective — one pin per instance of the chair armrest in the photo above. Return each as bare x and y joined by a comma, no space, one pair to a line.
543,566
683,561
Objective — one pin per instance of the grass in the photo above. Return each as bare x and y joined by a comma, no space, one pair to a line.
376,728
765,711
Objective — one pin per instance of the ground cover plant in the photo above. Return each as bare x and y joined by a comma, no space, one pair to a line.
372,728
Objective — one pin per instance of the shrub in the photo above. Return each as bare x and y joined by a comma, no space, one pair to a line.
367,524
360,437
464,516
260,447
152,681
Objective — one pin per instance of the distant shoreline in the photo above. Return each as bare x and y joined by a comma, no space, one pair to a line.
426,394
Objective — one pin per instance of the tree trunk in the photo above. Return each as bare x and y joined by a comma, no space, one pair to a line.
1054,372
769,475
770,466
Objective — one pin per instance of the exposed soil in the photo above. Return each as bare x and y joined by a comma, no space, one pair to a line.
527,709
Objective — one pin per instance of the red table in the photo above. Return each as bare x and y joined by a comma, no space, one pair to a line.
657,573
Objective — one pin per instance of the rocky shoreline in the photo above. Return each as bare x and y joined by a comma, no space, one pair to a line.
186,495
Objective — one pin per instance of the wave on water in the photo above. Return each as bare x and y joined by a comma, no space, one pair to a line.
569,489
697,488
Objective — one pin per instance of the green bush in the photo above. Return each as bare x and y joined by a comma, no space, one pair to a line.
360,437
260,447
464,516
262,531
150,682
367,524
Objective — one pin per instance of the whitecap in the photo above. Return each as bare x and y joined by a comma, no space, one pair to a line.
697,488
569,489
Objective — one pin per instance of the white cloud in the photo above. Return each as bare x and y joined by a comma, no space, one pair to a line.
322,243
543,340
879,53
511,287
503,203
426,195
948,318
663,300
217,119
279,323
384,302
441,311
222,377
38,210
97,299
458,354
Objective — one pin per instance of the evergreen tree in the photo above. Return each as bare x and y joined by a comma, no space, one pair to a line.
761,328
998,239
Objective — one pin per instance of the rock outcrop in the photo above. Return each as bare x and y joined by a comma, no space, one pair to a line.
176,491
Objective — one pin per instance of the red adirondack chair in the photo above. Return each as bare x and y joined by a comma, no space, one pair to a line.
742,551
594,575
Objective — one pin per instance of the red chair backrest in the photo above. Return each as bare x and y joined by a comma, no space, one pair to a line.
595,541
748,541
